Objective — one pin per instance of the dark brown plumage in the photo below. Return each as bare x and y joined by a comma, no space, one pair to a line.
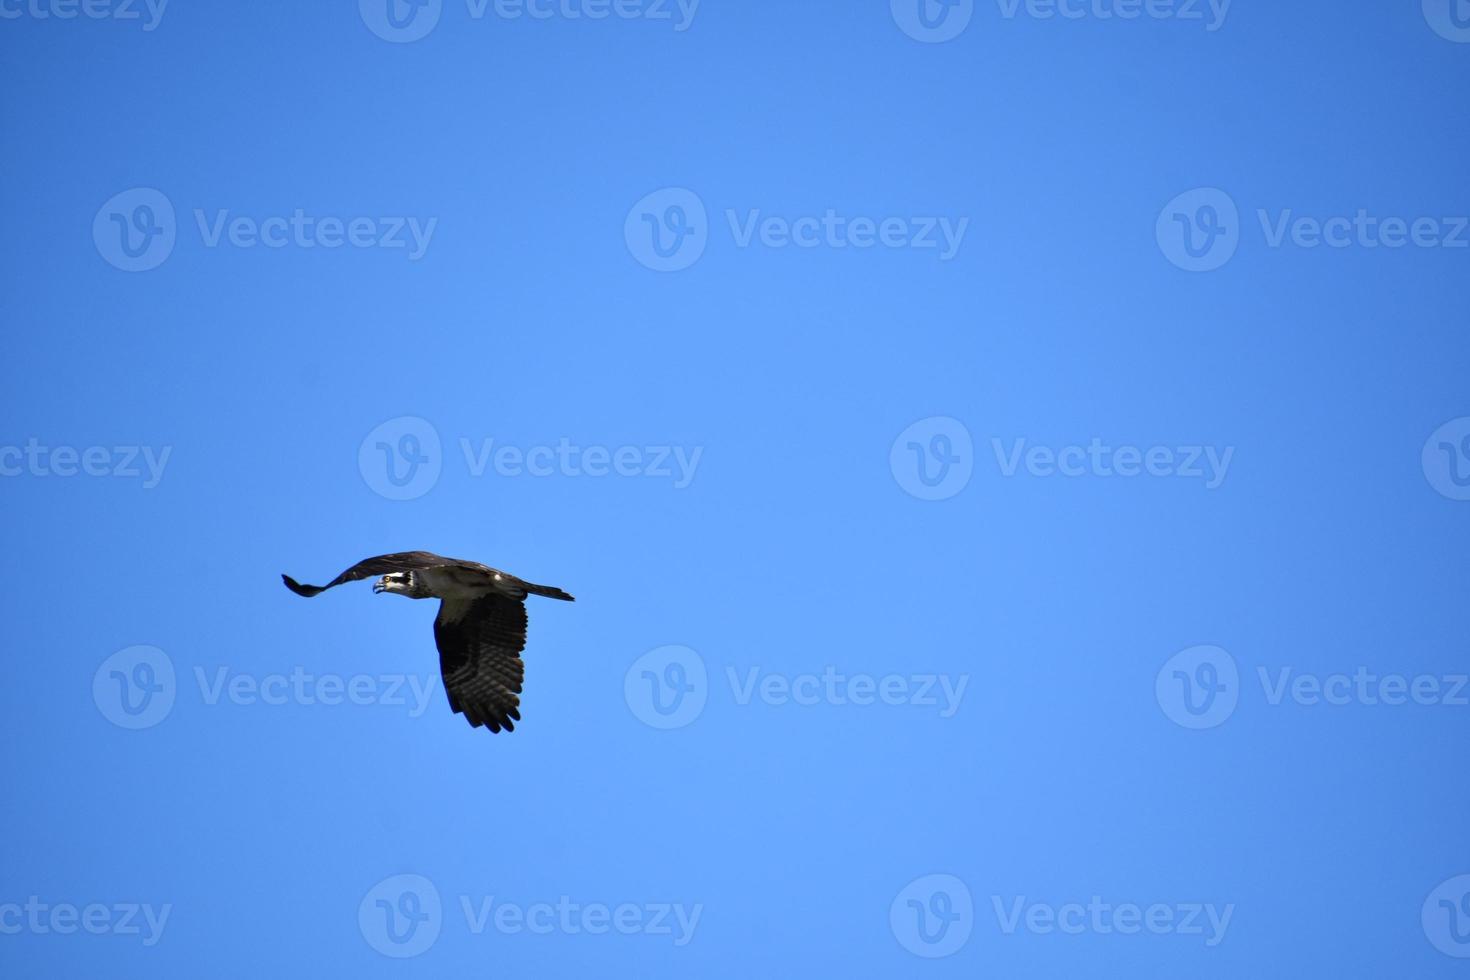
480,630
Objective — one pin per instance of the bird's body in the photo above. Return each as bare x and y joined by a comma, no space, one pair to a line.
480,630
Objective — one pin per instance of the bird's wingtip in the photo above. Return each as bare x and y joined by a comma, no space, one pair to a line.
302,590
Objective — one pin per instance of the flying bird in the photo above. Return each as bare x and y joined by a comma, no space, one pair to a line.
480,630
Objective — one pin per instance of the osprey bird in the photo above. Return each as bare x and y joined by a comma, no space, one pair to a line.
480,630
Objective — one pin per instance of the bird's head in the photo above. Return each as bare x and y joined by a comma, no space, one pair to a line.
401,583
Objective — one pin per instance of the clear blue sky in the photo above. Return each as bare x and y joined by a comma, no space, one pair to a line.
808,351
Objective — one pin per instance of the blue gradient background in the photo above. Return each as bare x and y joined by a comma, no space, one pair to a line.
528,321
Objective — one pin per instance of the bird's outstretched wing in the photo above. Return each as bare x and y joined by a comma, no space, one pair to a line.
480,644
404,561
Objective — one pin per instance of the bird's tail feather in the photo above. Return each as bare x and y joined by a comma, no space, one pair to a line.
549,591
